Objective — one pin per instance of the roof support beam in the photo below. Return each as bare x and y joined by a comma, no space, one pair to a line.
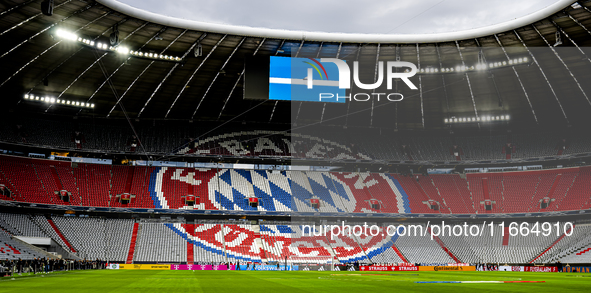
32,17
98,61
16,7
571,40
169,73
324,105
375,78
577,22
442,78
147,67
238,80
81,48
468,81
543,74
84,72
518,79
47,28
564,64
317,55
28,63
194,73
482,59
584,7
397,52
300,105
420,87
276,102
580,50
38,56
358,51
217,75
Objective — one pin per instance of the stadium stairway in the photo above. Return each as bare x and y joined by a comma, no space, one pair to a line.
554,186
259,243
584,251
485,192
399,253
436,238
552,245
424,194
56,177
506,237
131,252
129,180
61,235
33,248
358,243
485,188
190,185
190,245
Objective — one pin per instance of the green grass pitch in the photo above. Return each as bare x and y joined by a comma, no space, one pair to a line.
279,282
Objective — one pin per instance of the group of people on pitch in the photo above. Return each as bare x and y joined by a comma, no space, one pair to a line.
44,265
487,267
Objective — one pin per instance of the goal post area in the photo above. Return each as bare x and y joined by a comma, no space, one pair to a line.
317,259
313,263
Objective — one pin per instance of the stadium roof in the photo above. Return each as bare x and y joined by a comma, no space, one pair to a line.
335,37
548,86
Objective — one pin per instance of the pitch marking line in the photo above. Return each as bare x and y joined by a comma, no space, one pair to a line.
475,282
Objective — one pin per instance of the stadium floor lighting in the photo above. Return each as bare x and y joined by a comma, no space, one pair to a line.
66,35
51,100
